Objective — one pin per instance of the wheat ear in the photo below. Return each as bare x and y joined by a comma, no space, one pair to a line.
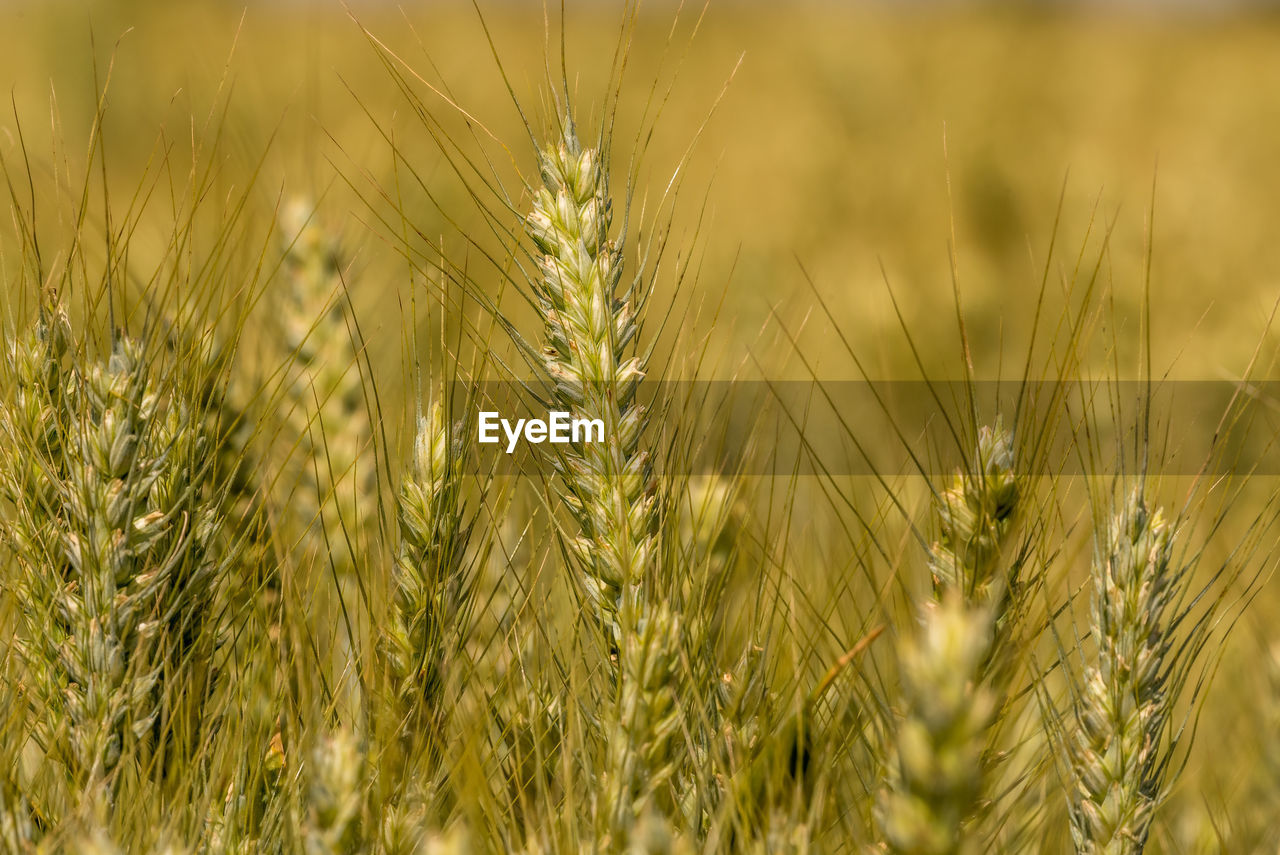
327,420
942,756
975,515
426,629
935,775
609,489
335,796
330,482
17,825
1118,754
114,541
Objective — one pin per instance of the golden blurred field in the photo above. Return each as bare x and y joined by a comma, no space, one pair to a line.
850,136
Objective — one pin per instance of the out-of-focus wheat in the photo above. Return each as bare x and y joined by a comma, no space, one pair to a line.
327,425
935,776
952,686
335,796
328,496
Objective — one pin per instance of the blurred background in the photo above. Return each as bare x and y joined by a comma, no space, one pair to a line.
852,137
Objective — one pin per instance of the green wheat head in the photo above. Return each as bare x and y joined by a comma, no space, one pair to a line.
1118,755
590,321
114,536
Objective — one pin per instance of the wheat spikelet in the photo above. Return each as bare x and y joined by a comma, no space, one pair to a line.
1123,710
610,493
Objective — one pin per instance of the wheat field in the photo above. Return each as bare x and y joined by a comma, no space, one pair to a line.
882,405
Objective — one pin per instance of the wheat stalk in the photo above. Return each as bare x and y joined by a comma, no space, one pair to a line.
953,679
427,626
935,776
1123,711
609,489
114,539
